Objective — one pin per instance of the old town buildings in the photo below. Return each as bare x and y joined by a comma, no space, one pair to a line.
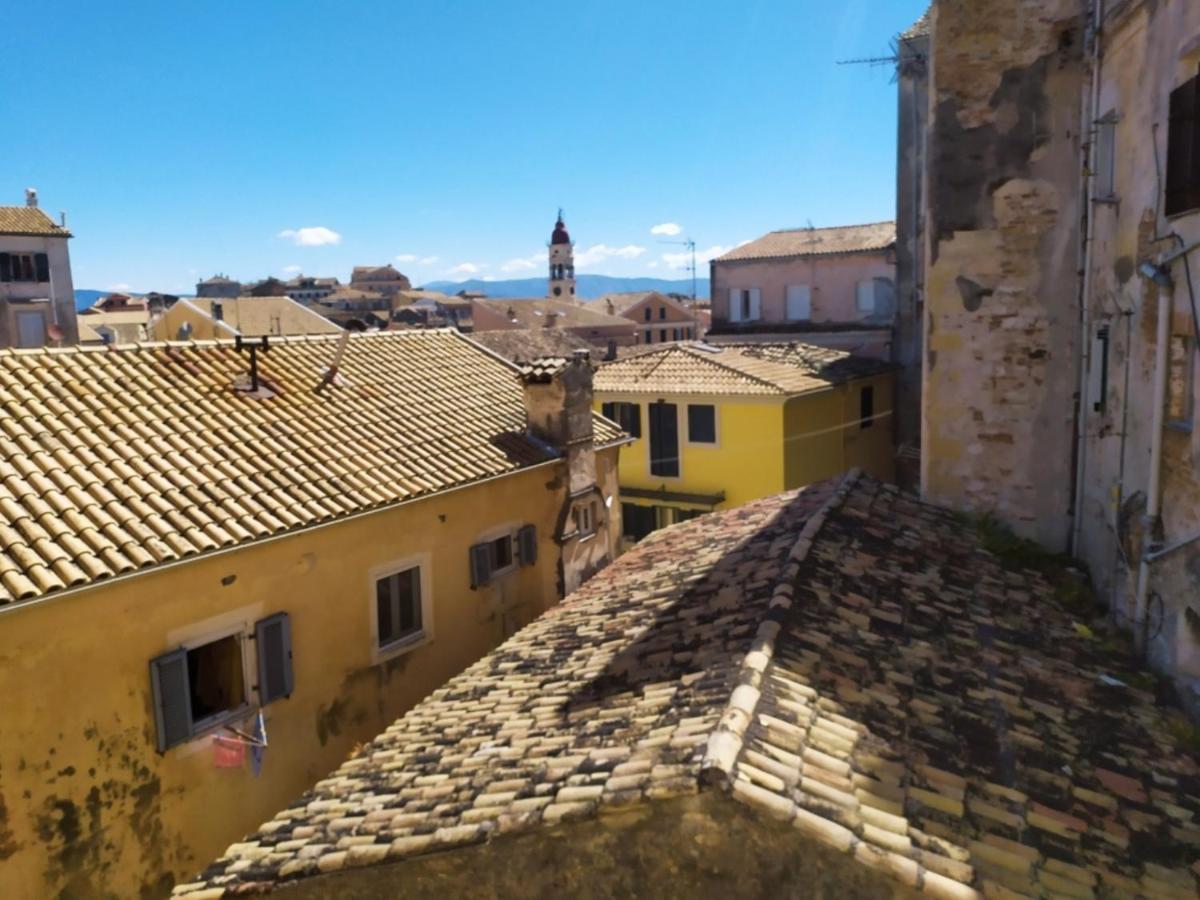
37,296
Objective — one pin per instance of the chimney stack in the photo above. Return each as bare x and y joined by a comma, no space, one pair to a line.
558,406
31,197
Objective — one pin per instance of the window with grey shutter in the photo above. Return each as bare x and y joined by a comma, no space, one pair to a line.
481,564
172,698
273,637
5,267
42,264
527,544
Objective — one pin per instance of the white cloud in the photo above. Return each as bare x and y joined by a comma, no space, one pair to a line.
681,261
466,269
598,253
653,264
292,270
670,229
525,264
414,258
119,286
315,236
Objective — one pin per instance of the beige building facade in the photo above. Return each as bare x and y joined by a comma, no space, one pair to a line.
37,294
1060,328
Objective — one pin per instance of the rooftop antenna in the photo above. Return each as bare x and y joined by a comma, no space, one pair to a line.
691,245
892,60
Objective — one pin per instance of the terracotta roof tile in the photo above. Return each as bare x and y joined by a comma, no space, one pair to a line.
799,242
113,460
29,220
734,369
844,660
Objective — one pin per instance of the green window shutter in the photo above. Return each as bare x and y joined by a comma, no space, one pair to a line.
273,638
42,263
172,698
481,565
527,544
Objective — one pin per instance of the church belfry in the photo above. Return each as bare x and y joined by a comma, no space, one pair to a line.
562,261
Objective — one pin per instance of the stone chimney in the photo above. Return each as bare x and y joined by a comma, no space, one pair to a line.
558,406
31,197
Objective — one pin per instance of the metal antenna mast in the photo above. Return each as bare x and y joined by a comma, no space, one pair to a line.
691,245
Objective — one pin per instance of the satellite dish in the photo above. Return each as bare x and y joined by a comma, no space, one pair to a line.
55,333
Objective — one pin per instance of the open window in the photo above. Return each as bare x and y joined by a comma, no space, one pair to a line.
398,614
866,406
1183,149
497,556
203,685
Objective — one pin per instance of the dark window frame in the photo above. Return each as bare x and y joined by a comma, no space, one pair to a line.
699,431
866,406
1182,193
664,433
396,634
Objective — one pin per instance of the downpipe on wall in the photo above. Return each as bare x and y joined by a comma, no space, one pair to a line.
1152,525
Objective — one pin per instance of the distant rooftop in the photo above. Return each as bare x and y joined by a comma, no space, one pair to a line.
29,220
799,242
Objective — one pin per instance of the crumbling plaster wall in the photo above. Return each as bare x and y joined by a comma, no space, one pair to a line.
1001,326
1149,48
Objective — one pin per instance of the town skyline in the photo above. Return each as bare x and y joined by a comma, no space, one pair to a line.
421,161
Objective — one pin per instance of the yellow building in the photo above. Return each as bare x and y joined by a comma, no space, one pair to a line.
181,553
718,426
200,318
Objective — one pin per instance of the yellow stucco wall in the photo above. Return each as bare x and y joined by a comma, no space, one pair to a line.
768,445
87,805
746,462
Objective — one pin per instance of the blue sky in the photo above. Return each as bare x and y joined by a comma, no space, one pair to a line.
269,137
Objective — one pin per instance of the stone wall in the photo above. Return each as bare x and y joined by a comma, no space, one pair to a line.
698,846
1001,298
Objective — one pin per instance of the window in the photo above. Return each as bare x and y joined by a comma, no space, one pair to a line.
799,303
201,686
866,407
662,335
646,313
866,296
662,312
1098,370
498,555
674,334
1104,159
627,415
664,440
31,329
744,304
1183,149
24,267
637,521
585,519
398,607
702,424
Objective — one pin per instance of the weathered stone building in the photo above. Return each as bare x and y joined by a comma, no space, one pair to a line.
1062,199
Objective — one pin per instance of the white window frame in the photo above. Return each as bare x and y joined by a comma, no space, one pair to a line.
421,562
509,529
858,297
714,444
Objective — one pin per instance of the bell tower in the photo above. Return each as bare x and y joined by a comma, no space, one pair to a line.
562,262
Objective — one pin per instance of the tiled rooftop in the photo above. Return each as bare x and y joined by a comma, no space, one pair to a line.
734,369
255,316
29,220
844,660
115,460
797,242
522,345
554,314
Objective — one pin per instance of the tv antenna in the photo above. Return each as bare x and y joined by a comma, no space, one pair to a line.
892,60
691,267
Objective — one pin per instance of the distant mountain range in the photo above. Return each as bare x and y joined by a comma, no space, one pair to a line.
588,287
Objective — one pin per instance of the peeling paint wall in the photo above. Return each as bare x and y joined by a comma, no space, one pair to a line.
1148,49
88,808
1001,327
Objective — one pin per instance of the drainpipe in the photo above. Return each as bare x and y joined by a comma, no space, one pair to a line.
1091,113
1161,276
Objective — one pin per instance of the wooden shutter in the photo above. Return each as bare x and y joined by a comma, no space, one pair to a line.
527,544
755,304
42,263
609,411
799,303
664,440
1183,153
172,698
273,638
481,565
735,305
631,418
6,273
